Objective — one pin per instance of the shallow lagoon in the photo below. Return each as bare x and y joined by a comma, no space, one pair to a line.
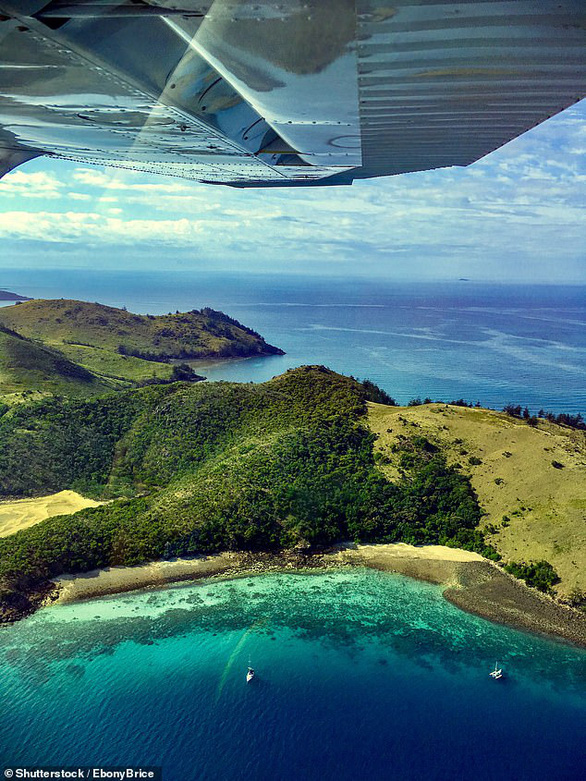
359,674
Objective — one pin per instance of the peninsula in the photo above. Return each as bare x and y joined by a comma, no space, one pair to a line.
280,473
7,295
77,348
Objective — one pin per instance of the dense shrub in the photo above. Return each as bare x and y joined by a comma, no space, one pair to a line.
376,394
540,575
562,419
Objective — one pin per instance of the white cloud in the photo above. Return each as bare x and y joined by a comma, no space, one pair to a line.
38,184
91,226
118,181
524,200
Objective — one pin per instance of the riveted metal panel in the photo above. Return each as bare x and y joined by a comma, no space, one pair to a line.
445,83
270,92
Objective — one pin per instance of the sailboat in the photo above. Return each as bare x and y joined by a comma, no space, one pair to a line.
497,672
249,675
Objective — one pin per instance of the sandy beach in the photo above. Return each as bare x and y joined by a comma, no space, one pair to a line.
472,583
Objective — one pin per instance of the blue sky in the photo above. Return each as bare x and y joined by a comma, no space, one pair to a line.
518,214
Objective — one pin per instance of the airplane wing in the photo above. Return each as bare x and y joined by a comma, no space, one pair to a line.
282,92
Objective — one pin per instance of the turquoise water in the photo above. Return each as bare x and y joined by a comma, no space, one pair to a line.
360,674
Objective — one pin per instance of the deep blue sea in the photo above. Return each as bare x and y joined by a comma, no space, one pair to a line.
359,675
493,343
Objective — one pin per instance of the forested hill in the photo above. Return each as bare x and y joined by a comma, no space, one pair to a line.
206,467
120,347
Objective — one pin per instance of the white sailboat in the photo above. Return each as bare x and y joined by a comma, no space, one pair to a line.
497,672
249,675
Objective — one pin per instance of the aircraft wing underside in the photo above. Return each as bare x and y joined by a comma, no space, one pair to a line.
281,92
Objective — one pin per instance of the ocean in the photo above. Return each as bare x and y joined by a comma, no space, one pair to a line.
359,675
492,343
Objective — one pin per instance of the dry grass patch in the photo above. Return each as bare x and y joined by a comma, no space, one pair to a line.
512,470
23,513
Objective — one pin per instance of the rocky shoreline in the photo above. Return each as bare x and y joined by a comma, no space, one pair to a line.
489,592
472,583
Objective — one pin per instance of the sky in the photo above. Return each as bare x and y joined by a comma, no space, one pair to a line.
516,215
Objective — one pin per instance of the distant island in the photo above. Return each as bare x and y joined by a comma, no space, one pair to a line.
6,295
77,348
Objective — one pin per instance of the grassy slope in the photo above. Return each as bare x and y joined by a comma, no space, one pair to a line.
27,366
110,364
91,334
546,506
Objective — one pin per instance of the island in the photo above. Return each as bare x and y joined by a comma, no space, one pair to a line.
7,295
310,469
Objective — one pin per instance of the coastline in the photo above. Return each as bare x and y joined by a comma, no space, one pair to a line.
215,362
471,583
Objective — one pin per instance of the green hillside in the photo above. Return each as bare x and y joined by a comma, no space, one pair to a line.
120,345
27,366
217,466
